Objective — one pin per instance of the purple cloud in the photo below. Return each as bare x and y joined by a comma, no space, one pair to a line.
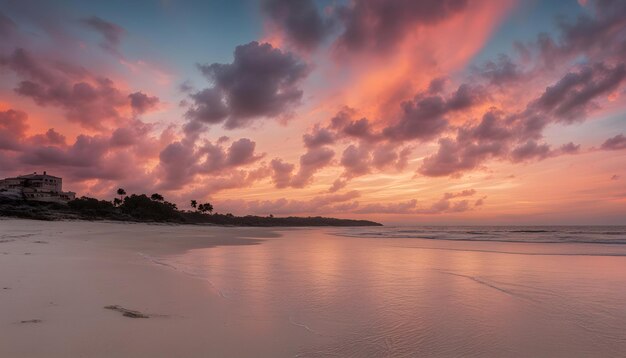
142,103
379,25
112,34
301,21
615,143
262,81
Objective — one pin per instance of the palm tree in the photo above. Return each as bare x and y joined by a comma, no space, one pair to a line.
121,192
206,207
157,197
194,204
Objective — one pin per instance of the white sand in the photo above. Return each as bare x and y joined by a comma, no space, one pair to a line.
63,274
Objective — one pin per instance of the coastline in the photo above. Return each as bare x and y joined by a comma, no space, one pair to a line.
56,278
141,209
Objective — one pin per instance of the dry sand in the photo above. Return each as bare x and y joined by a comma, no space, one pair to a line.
66,289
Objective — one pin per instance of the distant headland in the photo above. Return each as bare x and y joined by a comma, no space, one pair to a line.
41,197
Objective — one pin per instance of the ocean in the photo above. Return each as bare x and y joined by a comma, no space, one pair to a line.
529,234
429,291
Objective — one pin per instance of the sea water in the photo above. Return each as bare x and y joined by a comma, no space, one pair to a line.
429,291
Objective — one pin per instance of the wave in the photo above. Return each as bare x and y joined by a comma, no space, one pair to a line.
524,253
547,235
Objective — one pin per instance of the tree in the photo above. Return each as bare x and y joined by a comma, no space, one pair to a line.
121,192
205,208
117,202
157,197
194,204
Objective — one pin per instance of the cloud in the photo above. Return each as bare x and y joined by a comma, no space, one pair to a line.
142,103
441,206
129,135
13,128
51,137
596,31
490,128
92,101
530,150
571,97
615,143
364,158
241,152
515,136
318,137
234,180
262,81
86,151
453,157
344,124
97,158
500,72
112,34
445,205
281,173
310,163
283,206
569,148
315,159
177,165
301,21
209,107
181,162
596,34
423,118
24,64
361,25
85,103
391,208
379,25
356,161
338,184
467,192
387,156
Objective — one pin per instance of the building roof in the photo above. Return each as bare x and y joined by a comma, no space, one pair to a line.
36,176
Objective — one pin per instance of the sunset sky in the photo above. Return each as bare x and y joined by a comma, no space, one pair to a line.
442,112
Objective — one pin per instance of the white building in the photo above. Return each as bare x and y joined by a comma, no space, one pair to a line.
38,187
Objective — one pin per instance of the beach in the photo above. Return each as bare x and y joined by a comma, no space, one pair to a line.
57,277
262,292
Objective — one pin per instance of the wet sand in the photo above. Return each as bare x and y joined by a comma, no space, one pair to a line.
56,278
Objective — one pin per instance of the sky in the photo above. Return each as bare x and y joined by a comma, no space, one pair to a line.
432,112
